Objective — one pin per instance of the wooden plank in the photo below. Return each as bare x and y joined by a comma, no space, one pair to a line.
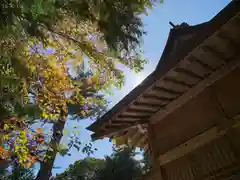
142,141
201,140
194,66
182,84
148,104
136,138
188,72
196,90
123,121
233,28
135,116
154,101
134,113
220,55
209,58
156,169
183,77
130,121
136,107
163,99
202,63
152,144
223,43
190,145
232,43
162,89
140,110
162,94
138,135
111,132
171,83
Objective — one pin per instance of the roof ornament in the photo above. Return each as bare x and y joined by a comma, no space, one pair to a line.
182,25
172,24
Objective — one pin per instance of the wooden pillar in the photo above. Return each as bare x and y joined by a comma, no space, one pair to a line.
156,170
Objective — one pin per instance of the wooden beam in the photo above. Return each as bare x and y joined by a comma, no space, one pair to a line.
176,81
187,96
190,145
130,120
111,132
170,91
204,64
147,104
134,110
156,169
131,132
147,108
161,93
155,97
189,73
219,55
142,141
142,113
201,140
233,43
136,117
136,138
122,122
197,89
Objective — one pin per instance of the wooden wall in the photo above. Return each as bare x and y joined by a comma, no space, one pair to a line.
200,114
218,159
214,161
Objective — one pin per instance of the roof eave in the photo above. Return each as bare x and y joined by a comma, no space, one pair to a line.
220,19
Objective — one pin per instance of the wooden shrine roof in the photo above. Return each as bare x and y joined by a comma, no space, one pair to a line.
191,54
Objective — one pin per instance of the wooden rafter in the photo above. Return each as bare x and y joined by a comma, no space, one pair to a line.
196,90
179,80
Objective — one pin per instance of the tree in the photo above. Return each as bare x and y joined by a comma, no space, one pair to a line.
85,169
37,84
145,161
18,173
121,165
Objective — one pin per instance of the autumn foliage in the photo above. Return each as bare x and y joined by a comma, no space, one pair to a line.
59,58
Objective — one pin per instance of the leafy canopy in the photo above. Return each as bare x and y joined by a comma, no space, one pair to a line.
120,165
44,44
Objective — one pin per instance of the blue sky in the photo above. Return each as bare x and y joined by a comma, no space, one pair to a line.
157,27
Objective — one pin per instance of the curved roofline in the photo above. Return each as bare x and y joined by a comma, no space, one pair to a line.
165,64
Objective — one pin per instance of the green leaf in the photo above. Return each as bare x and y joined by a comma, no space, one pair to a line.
65,132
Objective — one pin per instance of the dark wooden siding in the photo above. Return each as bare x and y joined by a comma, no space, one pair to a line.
214,161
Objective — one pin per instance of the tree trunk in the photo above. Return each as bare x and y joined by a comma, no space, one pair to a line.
46,166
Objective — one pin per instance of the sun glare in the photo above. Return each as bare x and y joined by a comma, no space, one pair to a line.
137,78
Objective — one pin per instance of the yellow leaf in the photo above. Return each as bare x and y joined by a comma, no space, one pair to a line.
65,131
38,130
